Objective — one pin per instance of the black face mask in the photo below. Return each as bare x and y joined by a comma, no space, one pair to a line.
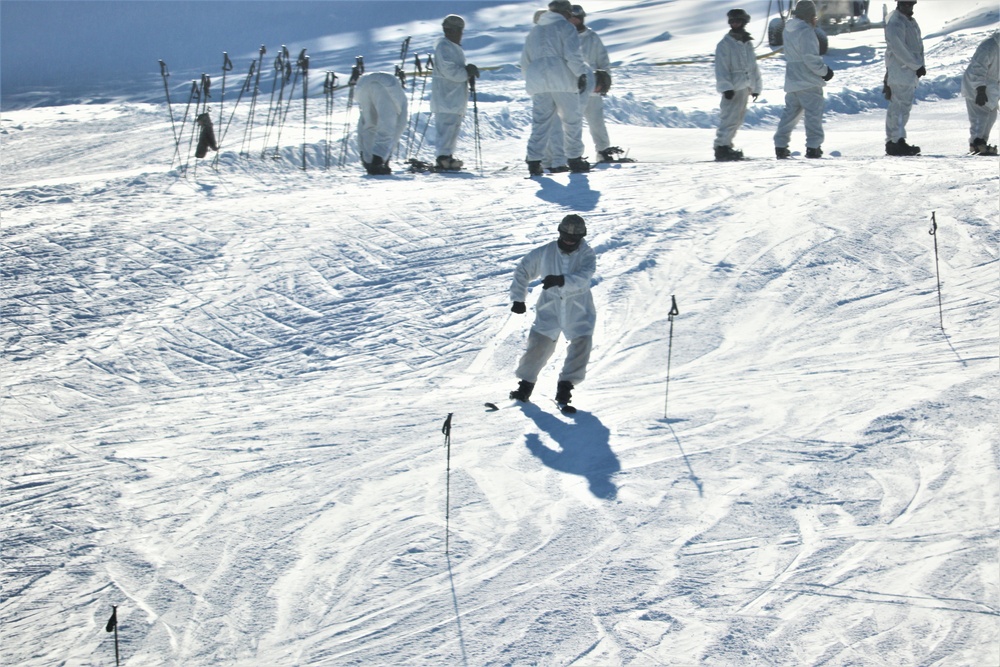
569,242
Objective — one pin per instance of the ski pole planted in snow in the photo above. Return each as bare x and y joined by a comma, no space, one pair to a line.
937,268
112,626
164,73
670,347
446,429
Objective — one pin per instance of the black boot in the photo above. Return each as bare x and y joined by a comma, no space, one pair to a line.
814,153
377,167
535,168
564,392
578,165
523,391
782,152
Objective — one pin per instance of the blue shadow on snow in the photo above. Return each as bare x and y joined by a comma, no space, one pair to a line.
584,448
575,195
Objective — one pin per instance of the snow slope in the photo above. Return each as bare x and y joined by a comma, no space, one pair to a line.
223,389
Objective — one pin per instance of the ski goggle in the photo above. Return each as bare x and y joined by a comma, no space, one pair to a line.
570,239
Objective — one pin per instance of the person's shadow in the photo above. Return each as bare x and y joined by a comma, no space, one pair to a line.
584,448
575,195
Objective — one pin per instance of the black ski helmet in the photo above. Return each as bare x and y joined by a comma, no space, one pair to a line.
576,11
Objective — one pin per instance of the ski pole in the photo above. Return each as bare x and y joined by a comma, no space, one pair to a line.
245,88
402,52
428,67
304,66
475,126
227,66
112,626
248,130
937,267
411,123
356,72
329,87
446,429
166,88
670,347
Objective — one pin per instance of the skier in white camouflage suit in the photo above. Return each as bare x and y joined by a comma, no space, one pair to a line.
382,119
565,307
555,74
981,88
737,77
596,55
805,75
904,64
450,91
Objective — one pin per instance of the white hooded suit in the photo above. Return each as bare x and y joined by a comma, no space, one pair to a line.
804,70
983,70
449,94
551,64
904,55
568,310
382,108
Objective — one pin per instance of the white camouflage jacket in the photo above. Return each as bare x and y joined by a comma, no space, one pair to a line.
568,309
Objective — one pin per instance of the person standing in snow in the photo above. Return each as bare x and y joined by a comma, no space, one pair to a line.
382,119
565,307
981,88
737,77
450,91
596,55
805,76
904,63
555,74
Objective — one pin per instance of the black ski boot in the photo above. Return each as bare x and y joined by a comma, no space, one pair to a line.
980,147
727,154
782,152
814,153
610,154
564,392
901,148
578,165
377,167
561,169
448,163
523,391
535,168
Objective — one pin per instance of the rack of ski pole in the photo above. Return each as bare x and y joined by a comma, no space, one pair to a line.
273,98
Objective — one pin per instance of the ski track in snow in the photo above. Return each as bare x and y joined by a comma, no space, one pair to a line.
223,397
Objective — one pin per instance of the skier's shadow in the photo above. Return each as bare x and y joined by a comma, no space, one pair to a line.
584,448
576,195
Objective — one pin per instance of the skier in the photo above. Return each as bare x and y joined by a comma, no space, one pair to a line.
737,77
450,92
805,76
596,55
382,119
555,74
904,63
981,88
565,307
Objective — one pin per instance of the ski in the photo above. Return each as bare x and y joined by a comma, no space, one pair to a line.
564,408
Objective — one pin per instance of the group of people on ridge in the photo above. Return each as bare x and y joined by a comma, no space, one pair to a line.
738,78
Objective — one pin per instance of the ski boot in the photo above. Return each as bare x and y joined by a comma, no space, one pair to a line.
610,154
535,168
814,153
578,165
782,152
377,167
564,393
561,169
448,163
523,391
980,147
901,148
727,154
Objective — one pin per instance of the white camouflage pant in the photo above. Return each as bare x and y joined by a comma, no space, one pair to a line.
593,113
447,126
898,113
981,120
540,349
731,113
382,120
544,108
809,102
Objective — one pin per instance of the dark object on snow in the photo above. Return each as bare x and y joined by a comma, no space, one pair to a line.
814,153
901,148
727,154
782,152
206,139
535,168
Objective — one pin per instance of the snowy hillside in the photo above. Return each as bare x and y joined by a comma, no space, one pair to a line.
224,382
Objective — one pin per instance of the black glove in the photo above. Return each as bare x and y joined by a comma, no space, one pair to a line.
828,75
603,79
729,94
472,71
755,96
981,98
581,83
553,281
519,308
921,72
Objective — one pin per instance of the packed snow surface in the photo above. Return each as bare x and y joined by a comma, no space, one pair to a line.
225,381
